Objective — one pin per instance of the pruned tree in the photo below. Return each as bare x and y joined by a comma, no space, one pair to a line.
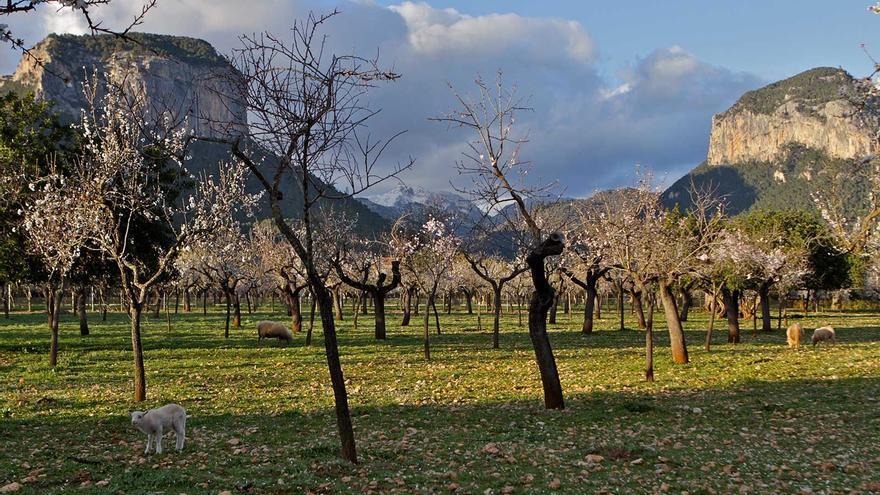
307,108
496,272
493,162
369,260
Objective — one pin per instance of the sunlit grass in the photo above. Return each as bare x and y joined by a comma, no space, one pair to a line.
756,415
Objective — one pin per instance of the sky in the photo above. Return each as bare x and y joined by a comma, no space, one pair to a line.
612,84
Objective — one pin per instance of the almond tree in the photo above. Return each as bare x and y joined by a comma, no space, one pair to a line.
492,160
654,247
56,224
119,191
283,268
222,258
587,254
307,109
367,259
496,272
427,258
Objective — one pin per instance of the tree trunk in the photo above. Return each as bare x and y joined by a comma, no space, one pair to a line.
236,305
81,311
637,307
496,319
676,332
137,348
295,312
540,303
427,334
731,303
433,306
712,311
228,312
649,341
620,309
766,317
311,320
53,312
337,379
469,301
364,309
553,308
337,303
589,306
407,306
205,302
187,303
379,310
687,300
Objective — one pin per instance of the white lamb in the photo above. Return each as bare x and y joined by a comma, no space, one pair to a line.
823,334
273,330
794,334
155,422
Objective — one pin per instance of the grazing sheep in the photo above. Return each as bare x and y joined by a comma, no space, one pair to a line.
823,334
155,422
794,334
273,330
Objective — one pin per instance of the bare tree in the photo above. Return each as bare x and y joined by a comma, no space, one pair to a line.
496,272
306,108
368,259
493,161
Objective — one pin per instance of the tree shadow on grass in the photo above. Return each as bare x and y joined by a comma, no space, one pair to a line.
486,444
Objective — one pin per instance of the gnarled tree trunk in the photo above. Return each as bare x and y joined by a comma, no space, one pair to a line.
542,299
676,332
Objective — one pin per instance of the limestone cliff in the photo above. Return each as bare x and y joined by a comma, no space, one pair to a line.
177,72
809,109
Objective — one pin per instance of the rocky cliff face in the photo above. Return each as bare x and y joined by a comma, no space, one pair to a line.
809,109
184,74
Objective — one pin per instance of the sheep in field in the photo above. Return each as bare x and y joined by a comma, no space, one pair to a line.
273,330
156,422
823,334
794,335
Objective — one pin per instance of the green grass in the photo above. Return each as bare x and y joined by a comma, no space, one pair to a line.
751,418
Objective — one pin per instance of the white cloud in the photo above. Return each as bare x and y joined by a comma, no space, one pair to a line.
438,31
585,130
63,20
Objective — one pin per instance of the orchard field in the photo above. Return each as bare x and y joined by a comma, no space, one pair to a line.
751,418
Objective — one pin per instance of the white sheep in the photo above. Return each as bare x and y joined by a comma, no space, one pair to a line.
155,422
794,335
823,334
273,330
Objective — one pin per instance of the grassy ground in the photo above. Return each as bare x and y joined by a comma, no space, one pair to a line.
751,418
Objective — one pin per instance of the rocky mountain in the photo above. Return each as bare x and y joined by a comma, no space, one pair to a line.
184,74
420,203
764,149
